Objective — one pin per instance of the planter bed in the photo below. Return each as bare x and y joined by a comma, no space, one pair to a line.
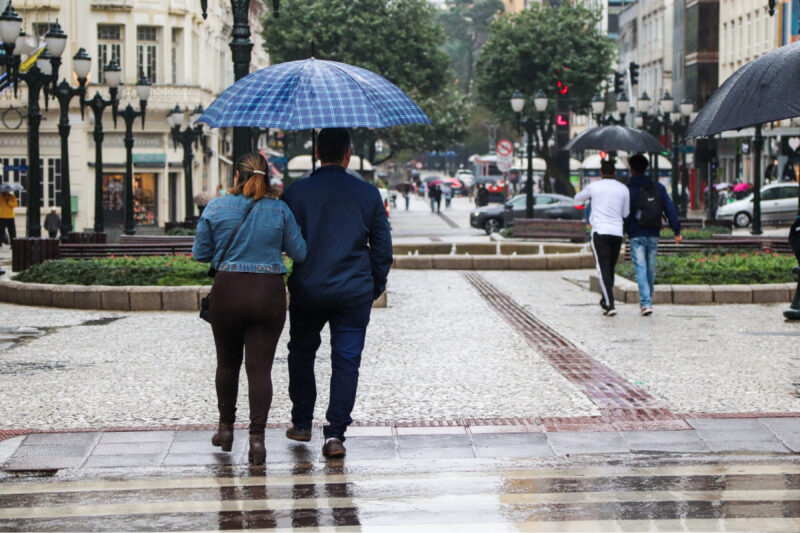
113,298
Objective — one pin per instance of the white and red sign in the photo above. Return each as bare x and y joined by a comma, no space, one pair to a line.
505,155
505,148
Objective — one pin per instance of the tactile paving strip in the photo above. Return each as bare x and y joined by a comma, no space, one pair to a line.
620,402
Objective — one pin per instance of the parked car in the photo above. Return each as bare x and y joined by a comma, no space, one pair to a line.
778,205
492,218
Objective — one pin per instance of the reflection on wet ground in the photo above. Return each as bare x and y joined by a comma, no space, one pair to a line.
631,494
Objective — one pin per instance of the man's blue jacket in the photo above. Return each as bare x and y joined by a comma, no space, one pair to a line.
631,228
345,226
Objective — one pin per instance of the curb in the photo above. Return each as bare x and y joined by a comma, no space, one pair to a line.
628,292
119,298
467,261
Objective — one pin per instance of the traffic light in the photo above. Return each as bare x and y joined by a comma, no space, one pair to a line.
634,71
618,77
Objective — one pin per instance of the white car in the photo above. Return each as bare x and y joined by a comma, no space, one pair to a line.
778,205
466,177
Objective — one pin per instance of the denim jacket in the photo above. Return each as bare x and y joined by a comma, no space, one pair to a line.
270,229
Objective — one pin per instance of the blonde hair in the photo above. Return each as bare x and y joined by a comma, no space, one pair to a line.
253,182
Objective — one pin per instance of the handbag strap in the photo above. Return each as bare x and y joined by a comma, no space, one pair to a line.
236,231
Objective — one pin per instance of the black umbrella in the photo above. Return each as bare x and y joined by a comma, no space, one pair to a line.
612,138
759,92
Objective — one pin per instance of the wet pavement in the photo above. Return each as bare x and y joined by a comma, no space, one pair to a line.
633,493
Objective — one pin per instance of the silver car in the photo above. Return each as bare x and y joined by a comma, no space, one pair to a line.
778,205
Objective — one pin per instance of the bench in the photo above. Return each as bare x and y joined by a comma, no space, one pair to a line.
156,239
723,243
545,228
85,251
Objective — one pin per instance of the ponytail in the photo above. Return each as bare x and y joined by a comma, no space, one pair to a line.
253,183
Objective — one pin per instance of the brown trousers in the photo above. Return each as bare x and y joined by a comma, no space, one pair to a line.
247,314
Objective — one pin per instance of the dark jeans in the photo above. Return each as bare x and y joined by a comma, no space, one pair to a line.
606,252
53,234
348,327
7,224
247,314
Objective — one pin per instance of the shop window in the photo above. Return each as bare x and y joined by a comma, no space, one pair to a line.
144,199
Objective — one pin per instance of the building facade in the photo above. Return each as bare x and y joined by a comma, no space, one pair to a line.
187,60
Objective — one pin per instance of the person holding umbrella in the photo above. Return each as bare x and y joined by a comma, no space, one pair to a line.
349,256
610,206
649,203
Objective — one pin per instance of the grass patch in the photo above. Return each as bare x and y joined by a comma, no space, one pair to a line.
748,268
696,233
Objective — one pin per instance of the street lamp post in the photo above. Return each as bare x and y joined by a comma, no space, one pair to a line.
38,78
530,124
186,138
98,104
64,93
129,115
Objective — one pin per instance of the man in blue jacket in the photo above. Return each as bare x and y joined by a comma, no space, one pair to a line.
349,255
649,203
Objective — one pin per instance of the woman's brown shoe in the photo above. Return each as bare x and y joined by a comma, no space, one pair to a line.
258,453
223,437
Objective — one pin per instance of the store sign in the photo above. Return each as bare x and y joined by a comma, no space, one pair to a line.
150,159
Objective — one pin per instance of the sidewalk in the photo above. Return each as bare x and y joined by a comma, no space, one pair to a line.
168,448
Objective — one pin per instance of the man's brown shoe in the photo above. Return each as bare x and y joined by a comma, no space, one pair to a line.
302,435
333,448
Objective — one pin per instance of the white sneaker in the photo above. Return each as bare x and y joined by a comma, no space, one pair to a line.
611,312
647,311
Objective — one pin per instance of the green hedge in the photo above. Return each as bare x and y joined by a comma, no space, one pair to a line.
718,269
165,270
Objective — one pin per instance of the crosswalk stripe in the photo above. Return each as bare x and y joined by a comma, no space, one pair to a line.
748,525
467,501
321,479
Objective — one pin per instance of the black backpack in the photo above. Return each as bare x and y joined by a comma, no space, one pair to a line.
649,207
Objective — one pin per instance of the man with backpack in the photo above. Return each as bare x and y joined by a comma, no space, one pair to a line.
649,204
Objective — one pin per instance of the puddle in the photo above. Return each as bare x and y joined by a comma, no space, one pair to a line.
773,333
101,321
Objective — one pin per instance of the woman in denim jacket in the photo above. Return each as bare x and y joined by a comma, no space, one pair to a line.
248,298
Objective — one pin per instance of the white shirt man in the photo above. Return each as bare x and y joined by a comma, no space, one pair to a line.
610,205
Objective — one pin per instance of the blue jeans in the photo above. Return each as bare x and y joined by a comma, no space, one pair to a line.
348,327
643,254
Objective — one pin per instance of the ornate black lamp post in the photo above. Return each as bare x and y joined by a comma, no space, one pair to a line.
607,119
241,47
38,77
129,115
186,138
98,104
13,41
679,120
64,94
531,125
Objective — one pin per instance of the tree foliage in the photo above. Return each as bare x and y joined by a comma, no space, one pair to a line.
466,23
533,51
400,40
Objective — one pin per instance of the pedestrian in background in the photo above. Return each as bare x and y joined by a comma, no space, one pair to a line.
649,204
52,223
447,192
407,198
432,197
7,204
243,235
350,253
610,205
482,198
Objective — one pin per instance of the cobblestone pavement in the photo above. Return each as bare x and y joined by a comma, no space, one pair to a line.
439,352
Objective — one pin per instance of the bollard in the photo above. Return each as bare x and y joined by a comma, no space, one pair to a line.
793,313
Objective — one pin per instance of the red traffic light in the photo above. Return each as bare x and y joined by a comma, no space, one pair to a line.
561,121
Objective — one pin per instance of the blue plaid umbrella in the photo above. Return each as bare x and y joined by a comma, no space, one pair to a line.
312,93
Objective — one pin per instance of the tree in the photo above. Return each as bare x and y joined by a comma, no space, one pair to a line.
400,40
466,23
533,51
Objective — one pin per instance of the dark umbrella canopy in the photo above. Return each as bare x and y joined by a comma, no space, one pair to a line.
619,138
761,91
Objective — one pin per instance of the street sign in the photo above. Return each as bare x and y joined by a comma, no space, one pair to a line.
21,168
505,148
504,164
